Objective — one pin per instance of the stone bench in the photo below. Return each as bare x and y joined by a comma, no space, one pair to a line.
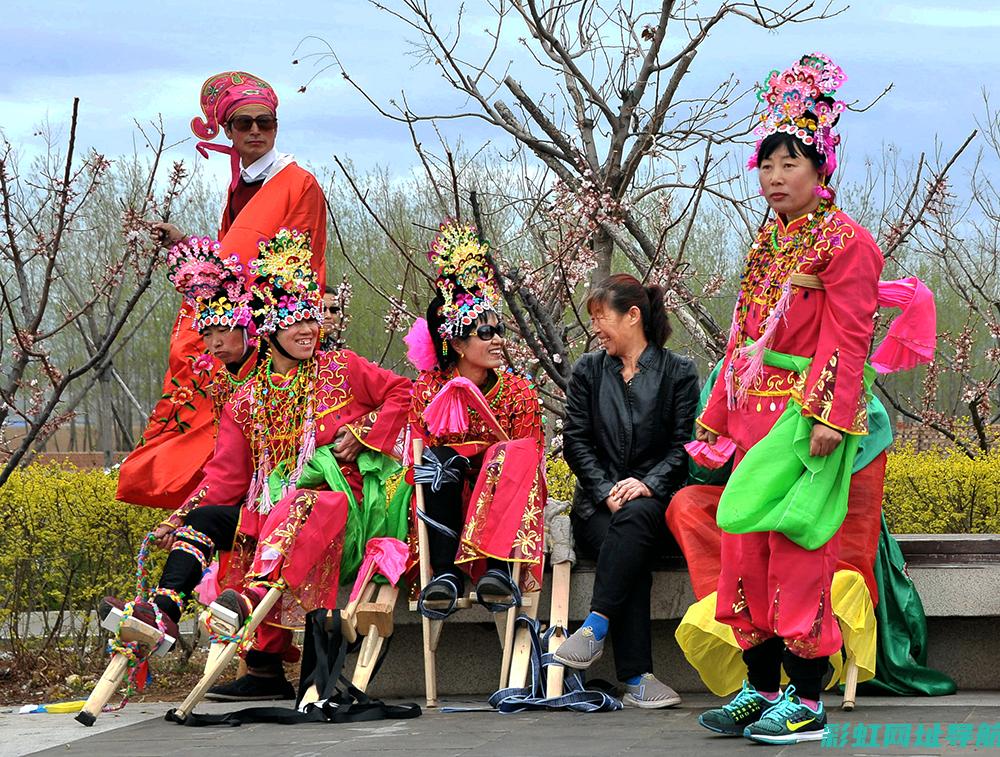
957,575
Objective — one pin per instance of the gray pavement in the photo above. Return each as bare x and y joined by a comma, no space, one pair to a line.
140,731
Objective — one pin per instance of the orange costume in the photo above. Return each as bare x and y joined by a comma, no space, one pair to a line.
166,466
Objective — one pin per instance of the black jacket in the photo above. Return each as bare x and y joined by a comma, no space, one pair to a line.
615,430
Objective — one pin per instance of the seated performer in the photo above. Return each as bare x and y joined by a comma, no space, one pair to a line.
269,191
792,396
629,410
485,507
214,290
278,426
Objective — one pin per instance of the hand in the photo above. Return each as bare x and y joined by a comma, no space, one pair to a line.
346,446
823,440
702,434
166,233
613,503
629,489
163,536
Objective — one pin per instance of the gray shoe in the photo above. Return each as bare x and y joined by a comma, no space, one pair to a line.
650,694
580,650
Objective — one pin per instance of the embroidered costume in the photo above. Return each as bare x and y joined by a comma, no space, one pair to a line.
166,466
503,487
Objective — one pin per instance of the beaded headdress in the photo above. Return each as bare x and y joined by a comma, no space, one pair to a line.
797,102
212,284
221,94
285,290
464,278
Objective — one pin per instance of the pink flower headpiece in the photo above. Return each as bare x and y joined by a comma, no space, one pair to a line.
212,284
285,290
464,277
796,102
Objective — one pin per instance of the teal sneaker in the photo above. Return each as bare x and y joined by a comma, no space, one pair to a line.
788,722
733,718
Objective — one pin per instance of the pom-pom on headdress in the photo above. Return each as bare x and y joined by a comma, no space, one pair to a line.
221,94
464,277
796,102
212,284
285,290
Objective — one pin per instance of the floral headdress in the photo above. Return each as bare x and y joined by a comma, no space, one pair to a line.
285,290
212,284
796,102
464,277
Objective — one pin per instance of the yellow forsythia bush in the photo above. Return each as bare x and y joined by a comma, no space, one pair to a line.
942,492
65,542
560,479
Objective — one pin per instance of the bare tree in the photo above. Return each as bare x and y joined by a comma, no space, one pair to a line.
60,276
621,156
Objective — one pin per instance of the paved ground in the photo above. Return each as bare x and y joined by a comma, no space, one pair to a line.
140,730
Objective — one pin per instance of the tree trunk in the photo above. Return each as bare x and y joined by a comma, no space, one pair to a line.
105,420
604,247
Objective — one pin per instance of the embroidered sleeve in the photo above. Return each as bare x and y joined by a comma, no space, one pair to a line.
526,414
833,392
381,390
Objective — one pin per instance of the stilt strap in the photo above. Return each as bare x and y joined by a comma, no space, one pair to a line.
576,698
435,473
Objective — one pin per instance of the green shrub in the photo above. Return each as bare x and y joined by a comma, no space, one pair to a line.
65,542
942,492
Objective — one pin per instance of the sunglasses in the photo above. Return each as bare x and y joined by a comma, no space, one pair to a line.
487,331
332,309
245,123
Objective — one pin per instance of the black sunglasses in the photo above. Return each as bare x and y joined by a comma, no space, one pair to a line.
488,330
245,123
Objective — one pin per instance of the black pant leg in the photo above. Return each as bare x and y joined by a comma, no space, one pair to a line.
182,571
445,507
632,537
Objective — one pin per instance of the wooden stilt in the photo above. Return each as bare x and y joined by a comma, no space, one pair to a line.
431,629
850,685
508,636
129,630
377,617
223,658
558,618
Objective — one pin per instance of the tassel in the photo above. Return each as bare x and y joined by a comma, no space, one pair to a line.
753,353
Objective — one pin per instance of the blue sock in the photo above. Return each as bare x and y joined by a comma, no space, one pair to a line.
634,680
598,624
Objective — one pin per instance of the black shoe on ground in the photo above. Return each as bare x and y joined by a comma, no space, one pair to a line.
251,688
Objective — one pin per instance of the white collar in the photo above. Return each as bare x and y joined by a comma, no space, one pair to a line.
260,168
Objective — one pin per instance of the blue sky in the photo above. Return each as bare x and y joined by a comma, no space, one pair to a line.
126,61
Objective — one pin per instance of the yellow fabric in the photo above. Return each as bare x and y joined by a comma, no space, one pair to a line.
711,649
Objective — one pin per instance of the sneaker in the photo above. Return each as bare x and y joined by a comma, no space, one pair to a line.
144,612
650,694
733,718
788,722
581,650
251,688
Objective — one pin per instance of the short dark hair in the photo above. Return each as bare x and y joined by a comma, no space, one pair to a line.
796,148
327,289
622,292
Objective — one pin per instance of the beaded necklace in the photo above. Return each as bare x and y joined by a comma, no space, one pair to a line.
280,413
222,392
770,264
772,260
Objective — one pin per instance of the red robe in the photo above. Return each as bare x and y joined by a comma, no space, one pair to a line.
505,494
306,526
768,585
166,466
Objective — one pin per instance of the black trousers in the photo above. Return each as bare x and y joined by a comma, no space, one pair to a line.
445,507
626,543
182,571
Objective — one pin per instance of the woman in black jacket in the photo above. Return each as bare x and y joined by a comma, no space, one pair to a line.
629,411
